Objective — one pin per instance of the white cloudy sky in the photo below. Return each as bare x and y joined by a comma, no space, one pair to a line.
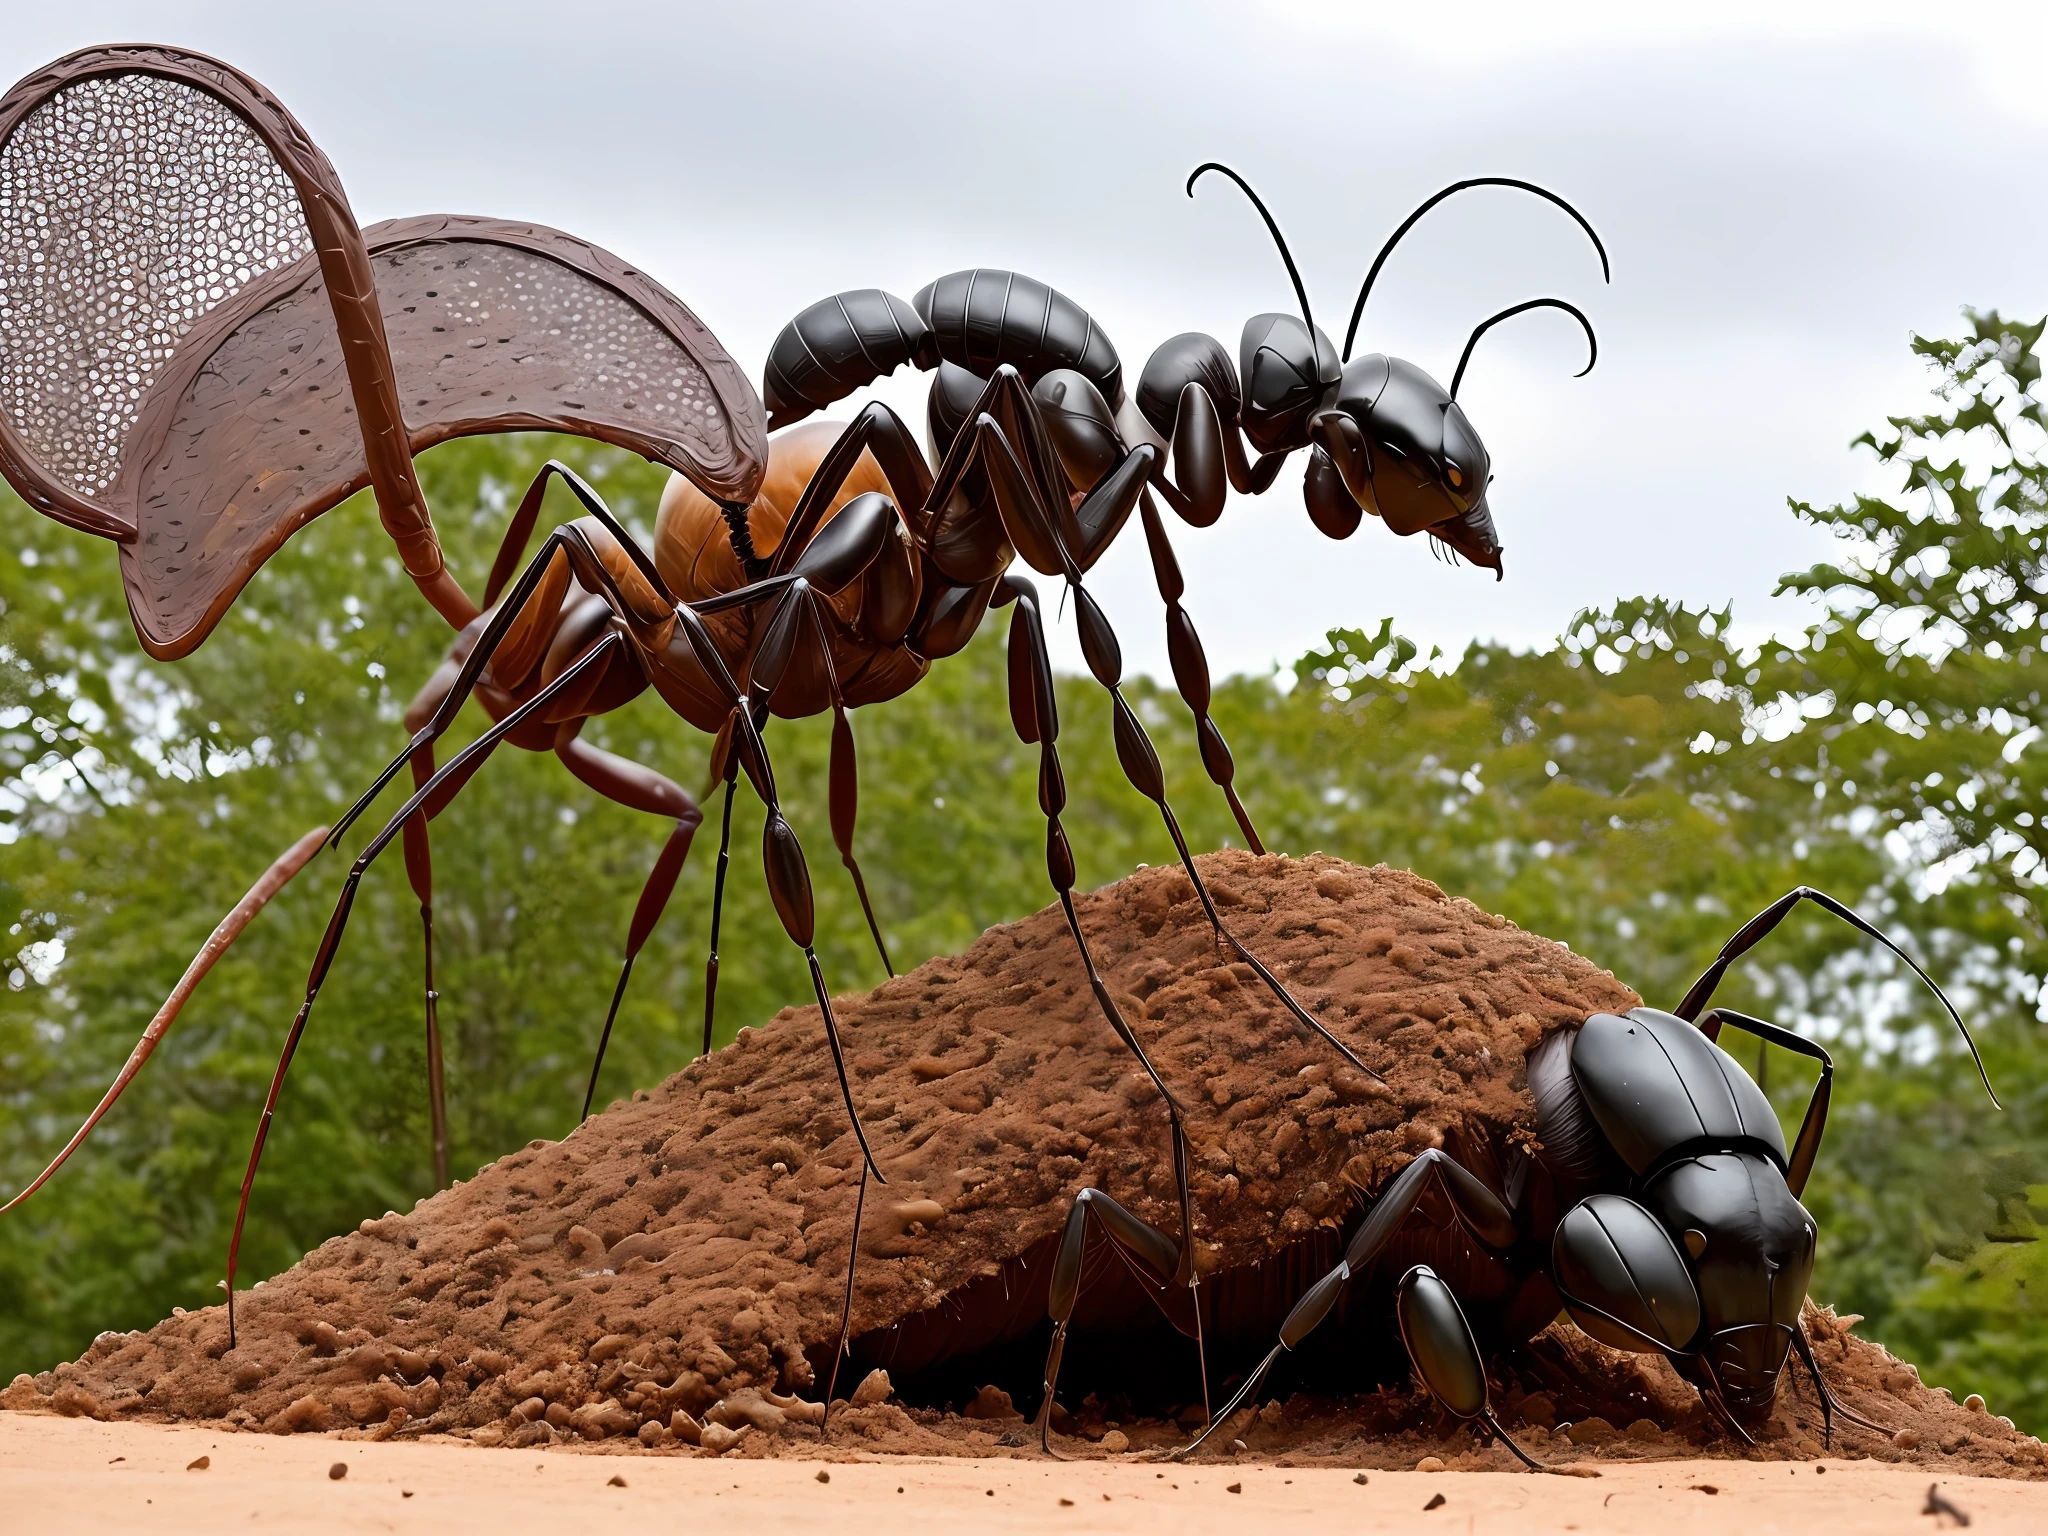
1787,191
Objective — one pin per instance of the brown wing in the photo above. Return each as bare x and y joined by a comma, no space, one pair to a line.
133,202
199,353
492,327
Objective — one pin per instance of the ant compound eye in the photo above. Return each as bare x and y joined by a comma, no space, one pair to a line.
1695,1241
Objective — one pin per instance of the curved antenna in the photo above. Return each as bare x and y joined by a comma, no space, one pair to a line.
1358,309
1293,273
1592,341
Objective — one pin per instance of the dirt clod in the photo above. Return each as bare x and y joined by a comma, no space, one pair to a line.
671,1272
338,1471
1436,1501
198,1464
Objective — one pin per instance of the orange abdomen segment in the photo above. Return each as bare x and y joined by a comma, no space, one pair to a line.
692,543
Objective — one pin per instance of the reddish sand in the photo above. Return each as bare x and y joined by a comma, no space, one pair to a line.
674,1267
72,1475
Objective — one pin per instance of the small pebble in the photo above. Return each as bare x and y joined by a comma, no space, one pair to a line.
337,1472
616,1481
824,1476
1361,1479
1235,1488
1907,1439
1436,1501
405,1493
1705,1488
1116,1442
200,1465
1064,1503
1430,1464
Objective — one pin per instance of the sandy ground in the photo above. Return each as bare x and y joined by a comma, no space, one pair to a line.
75,1475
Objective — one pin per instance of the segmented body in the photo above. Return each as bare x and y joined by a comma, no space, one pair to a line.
702,550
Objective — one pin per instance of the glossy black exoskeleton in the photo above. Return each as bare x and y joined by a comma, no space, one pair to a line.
1383,436
1659,1208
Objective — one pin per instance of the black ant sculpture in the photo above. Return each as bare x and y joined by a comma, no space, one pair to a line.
1383,436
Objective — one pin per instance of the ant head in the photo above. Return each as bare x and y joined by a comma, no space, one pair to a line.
1384,437
1402,449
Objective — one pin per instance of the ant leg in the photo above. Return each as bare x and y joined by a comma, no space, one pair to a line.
1830,1405
876,430
1446,1356
1477,1209
860,1204
1140,762
642,789
337,924
522,621
845,780
1152,1251
1759,926
782,856
273,880
1191,671
532,627
1031,519
419,871
1034,714
732,776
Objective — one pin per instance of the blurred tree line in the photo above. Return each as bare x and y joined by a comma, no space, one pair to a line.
1637,791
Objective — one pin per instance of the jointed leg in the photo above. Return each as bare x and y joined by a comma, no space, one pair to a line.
1035,715
641,789
419,870
1477,1209
845,780
1032,517
732,775
337,924
1191,672
1140,1242
1830,1405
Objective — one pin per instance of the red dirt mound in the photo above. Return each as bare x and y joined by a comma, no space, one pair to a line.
679,1260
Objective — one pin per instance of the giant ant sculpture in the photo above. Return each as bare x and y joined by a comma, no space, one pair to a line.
199,484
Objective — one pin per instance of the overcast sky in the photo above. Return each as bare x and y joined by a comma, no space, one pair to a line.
1787,192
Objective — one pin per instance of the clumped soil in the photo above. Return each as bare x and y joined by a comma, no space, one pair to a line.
670,1274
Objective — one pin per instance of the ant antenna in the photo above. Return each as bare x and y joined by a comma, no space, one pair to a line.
1280,240
1592,342
1358,309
